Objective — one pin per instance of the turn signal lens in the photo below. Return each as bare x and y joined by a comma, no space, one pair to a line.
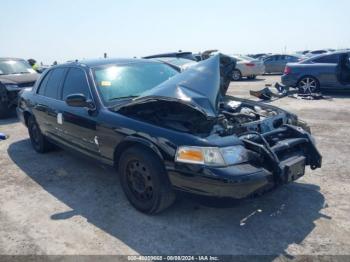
200,155
190,155
212,156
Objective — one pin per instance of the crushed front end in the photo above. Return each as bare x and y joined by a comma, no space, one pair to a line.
273,158
277,148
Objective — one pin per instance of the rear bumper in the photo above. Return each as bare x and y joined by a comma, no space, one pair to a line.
289,80
275,165
249,71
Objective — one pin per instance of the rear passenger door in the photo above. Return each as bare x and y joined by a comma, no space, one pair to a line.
47,102
269,64
274,64
78,124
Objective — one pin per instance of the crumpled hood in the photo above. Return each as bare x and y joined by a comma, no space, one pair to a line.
19,78
198,86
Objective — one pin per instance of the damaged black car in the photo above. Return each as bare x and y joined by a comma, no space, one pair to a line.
15,75
167,131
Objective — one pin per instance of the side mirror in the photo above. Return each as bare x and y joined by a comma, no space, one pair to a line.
79,100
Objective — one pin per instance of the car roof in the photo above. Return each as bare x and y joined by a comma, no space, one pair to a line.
11,58
327,54
173,54
108,61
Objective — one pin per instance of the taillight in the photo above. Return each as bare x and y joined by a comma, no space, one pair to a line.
249,64
287,70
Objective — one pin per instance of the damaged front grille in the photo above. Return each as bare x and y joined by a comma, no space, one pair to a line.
278,149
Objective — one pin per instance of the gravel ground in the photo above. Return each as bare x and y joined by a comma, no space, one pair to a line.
59,203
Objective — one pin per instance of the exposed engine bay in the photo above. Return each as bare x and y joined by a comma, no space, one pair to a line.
234,117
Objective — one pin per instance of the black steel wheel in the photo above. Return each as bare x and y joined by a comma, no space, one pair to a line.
144,180
139,180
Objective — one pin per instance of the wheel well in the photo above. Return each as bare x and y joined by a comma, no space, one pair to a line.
125,145
26,116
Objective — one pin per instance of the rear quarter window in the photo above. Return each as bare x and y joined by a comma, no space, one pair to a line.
329,59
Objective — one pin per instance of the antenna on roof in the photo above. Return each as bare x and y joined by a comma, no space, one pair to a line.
104,55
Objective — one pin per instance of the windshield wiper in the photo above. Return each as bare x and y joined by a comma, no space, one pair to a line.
121,97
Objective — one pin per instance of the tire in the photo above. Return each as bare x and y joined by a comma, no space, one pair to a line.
236,75
308,85
144,180
252,77
4,110
38,140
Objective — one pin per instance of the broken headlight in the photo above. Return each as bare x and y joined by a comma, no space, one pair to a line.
212,156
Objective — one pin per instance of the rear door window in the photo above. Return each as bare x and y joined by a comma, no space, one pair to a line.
76,83
54,82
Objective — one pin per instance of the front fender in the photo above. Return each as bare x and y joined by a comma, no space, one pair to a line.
135,141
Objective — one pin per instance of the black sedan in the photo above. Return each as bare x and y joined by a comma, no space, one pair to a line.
323,71
165,130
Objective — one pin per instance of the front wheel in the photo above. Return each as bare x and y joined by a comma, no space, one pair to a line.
308,85
236,75
144,180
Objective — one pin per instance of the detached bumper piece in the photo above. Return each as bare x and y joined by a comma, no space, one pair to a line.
284,151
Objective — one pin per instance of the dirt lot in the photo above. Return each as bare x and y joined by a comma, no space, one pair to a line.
58,203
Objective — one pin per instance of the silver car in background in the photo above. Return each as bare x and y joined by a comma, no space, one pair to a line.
277,63
247,67
181,63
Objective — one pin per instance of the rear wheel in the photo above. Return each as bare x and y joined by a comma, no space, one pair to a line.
308,85
144,180
38,140
236,75
251,77
4,110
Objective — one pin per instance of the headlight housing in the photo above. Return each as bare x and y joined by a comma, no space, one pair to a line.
212,156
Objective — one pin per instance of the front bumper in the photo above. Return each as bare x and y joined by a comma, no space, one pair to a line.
237,181
274,163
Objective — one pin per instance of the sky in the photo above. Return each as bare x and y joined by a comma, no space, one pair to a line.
61,30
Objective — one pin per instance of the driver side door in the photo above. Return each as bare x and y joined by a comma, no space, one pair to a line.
78,124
